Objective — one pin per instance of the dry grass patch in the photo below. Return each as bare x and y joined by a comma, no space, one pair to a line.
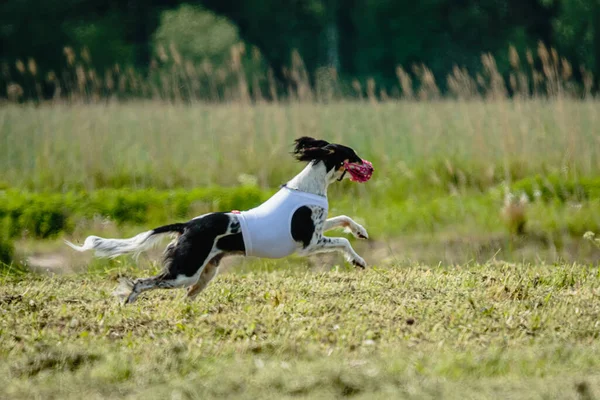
410,331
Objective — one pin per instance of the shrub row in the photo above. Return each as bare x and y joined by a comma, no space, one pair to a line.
7,250
43,215
556,188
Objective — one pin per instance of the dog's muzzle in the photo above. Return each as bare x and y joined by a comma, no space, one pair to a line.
359,172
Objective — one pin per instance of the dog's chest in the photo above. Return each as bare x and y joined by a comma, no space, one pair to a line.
266,229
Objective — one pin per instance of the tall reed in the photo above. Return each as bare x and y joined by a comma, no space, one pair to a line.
245,78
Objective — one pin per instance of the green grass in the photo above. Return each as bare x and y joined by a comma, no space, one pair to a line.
411,331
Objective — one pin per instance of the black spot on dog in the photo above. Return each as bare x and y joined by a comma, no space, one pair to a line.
235,227
232,243
303,226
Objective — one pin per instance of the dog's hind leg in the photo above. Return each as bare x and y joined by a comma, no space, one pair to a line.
129,290
168,279
229,244
209,272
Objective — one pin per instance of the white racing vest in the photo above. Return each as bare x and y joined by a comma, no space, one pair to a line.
267,229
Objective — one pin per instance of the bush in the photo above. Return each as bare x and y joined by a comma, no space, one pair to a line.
550,188
7,250
40,215
44,215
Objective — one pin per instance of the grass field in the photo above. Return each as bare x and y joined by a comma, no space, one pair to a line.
443,312
474,331
437,144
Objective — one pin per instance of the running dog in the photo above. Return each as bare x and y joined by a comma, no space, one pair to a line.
291,221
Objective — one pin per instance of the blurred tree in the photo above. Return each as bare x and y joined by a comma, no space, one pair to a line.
197,34
104,37
114,30
577,32
361,38
277,27
438,33
369,38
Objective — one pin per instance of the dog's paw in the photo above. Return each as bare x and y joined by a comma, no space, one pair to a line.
124,289
359,262
360,232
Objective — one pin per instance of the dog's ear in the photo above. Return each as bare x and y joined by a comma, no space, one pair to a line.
306,142
308,149
313,153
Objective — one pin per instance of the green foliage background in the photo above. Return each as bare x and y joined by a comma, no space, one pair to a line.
370,37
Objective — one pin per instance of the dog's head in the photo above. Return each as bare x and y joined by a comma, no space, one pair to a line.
339,160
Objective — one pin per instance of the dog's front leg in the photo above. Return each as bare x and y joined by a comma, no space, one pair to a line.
325,244
348,223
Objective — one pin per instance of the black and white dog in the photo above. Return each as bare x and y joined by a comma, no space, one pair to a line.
291,221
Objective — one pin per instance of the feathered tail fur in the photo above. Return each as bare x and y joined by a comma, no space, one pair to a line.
112,248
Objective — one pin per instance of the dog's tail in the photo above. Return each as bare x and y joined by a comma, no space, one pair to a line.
112,248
